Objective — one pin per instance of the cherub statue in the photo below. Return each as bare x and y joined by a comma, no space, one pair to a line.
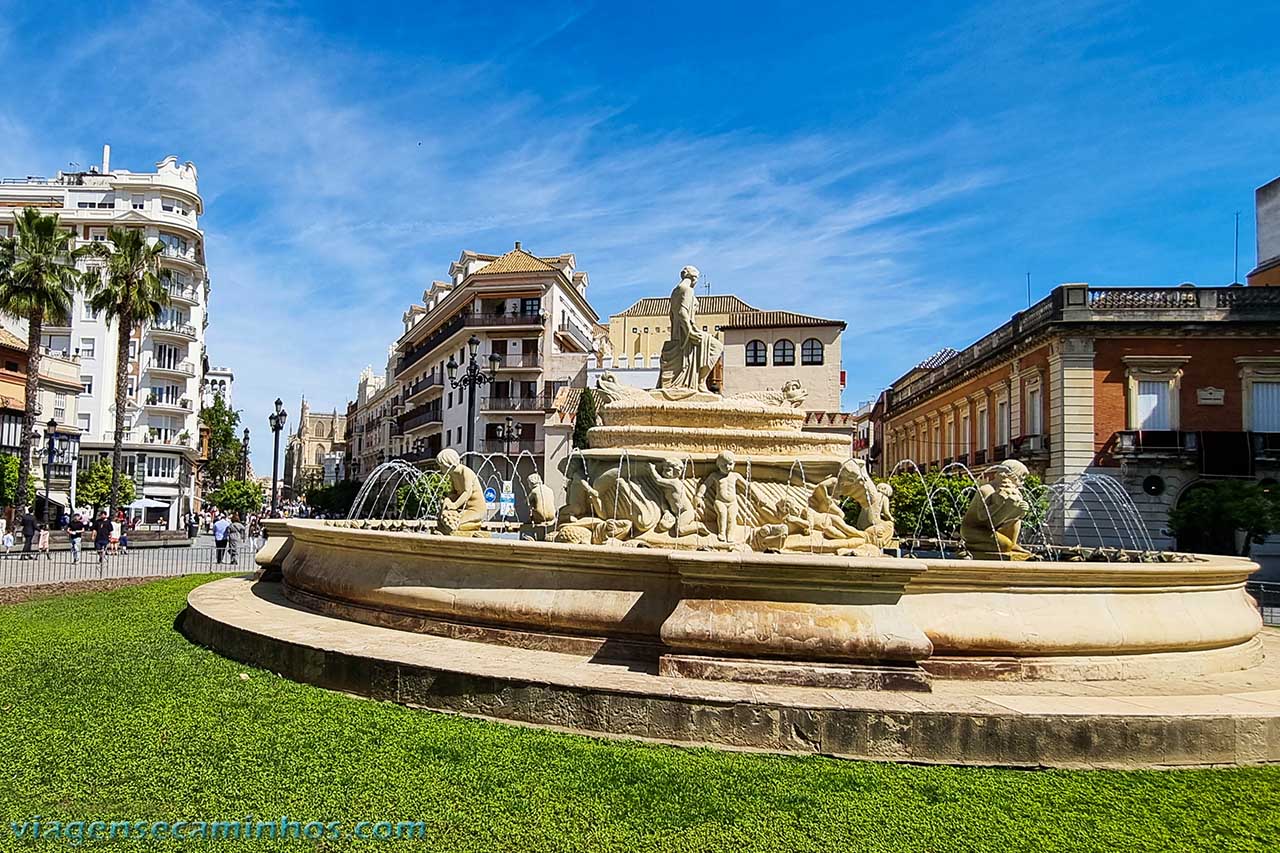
542,502
463,510
993,521
679,517
719,492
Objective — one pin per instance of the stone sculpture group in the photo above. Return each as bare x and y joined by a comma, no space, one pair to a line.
681,466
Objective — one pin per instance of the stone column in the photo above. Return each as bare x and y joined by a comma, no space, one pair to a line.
1071,431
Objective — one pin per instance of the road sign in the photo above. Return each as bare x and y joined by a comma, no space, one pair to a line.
490,498
508,505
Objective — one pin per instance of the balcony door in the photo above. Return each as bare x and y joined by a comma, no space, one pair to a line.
1154,409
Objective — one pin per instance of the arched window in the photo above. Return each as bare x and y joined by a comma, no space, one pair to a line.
784,353
756,354
811,351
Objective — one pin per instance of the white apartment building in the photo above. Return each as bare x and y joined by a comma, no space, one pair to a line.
166,359
375,432
529,311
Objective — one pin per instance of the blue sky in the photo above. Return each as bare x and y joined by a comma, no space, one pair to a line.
900,166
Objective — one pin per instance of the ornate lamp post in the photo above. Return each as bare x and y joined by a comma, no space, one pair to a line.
244,455
276,419
508,432
472,379
55,448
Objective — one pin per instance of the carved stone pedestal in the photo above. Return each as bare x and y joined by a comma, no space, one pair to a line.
795,619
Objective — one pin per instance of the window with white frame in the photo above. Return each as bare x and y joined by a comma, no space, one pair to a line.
949,449
1153,410
86,385
1264,406
1002,422
89,313
87,347
60,406
1260,392
139,202
1153,383
964,433
83,421
984,434
98,235
1032,418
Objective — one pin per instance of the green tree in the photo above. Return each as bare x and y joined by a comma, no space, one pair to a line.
130,292
93,486
931,505
1207,517
585,419
225,449
422,497
9,482
243,496
335,499
38,278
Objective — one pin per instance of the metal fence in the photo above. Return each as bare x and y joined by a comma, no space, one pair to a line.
61,567
1268,598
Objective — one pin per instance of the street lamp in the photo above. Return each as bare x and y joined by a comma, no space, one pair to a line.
276,419
55,448
508,432
244,455
472,379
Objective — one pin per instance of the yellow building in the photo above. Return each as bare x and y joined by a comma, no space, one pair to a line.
637,334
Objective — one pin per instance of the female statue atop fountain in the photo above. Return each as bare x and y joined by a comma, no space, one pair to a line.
690,354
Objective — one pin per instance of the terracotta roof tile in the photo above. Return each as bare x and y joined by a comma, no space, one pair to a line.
938,359
517,260
660,306
9,339
776,320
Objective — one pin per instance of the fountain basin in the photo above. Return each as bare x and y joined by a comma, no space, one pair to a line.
776,615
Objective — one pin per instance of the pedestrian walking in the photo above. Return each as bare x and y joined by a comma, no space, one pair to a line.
42,543
235,538
28,533
75,530
101,536
8,543
220,536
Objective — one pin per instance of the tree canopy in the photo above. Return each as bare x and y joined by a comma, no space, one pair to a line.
9,483
242,496
225,449
1207,516
585,419
335,499
93,486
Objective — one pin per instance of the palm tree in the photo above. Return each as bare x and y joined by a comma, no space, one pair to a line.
38,278
131,291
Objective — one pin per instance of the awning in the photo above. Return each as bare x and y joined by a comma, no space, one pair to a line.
55,497
147,503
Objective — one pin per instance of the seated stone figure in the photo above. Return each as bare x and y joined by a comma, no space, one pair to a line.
542,507
463,511
993,521
826,497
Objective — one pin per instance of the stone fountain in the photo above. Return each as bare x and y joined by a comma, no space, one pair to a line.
704,540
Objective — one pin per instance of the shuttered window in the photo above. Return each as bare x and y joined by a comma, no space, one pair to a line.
1265,406
1153,406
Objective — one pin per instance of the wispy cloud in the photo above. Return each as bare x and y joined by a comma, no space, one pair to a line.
340,180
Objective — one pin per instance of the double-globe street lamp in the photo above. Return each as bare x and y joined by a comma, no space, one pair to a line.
276,419
57,446
507,432
472,378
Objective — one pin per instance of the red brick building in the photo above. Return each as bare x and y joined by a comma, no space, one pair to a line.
1158,387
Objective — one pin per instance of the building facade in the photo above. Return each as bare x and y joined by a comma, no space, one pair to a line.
375,428
1160,388
535,331
1267,219
310,449
165,357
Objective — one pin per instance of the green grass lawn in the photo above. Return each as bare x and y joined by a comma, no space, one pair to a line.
107,712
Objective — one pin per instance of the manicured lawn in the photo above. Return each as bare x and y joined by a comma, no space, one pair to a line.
107,712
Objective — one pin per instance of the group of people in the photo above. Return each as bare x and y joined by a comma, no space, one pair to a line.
229,534
109,537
